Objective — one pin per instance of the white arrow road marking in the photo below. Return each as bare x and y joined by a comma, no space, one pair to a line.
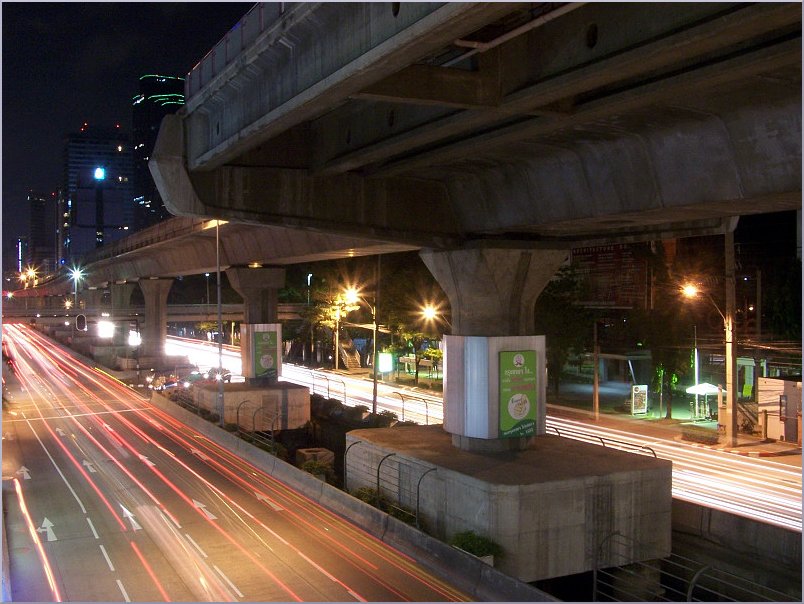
88,465
203,508
134,524
147,461
25,473
60,432
261,497
199,454
47,528
8,436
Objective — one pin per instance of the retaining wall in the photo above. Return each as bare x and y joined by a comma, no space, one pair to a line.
477,579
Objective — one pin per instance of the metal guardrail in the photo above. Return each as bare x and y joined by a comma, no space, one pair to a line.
675,578
319,375
618,444
261,17
426,406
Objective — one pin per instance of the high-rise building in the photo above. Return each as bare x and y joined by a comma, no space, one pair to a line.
41,253
159,96
84,152
98,211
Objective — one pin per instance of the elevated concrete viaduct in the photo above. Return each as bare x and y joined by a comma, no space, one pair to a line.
493,137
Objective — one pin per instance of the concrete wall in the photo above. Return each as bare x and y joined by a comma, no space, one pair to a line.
773,544
288,403
551,525
466,572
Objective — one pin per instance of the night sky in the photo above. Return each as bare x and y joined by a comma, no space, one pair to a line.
67,63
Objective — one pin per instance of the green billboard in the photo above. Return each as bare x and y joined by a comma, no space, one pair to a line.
517,393
265,351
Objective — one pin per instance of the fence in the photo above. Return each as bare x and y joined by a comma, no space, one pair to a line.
672,579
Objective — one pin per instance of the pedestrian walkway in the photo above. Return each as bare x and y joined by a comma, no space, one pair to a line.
575,401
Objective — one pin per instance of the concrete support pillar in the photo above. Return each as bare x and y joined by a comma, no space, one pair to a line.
494,367
260,332
154,336
493,291
121,294
92,298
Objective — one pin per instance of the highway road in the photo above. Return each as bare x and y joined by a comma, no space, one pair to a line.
108,499
765,489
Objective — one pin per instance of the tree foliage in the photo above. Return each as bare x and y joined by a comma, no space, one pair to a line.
566,325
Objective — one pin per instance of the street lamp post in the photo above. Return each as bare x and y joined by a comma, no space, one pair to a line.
221,408
76,274
691,291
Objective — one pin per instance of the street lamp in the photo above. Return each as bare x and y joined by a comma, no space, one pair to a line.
76,274
692,291
352,297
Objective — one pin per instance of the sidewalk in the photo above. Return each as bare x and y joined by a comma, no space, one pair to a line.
575,401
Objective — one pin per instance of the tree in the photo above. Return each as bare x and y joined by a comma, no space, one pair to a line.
666,329
566,325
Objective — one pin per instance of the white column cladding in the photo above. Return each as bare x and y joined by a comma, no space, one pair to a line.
472,383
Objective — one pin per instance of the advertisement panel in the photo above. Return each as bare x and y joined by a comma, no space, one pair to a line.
265,354
639,399
517,393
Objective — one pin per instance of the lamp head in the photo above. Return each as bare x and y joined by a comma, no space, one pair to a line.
690,291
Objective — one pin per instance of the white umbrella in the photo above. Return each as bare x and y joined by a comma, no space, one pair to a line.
704,389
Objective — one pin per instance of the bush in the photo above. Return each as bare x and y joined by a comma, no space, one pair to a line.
475,544
699,434
368,495
316,468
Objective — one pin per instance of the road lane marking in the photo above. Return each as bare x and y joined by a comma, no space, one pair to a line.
203,508
55,465
195,545
47,528
92,528
264,498
225,578
123,591
25,472
89,466
134,524
105,555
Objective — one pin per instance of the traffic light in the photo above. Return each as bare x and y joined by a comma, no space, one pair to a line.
81,322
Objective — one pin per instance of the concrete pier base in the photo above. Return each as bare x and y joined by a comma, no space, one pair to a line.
282,406
550,506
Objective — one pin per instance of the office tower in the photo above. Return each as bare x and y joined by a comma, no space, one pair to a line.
41,251
98,212
85,151
159,96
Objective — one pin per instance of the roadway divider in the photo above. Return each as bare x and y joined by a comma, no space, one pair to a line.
466,572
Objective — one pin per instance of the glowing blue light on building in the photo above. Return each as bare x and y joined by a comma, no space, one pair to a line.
100,173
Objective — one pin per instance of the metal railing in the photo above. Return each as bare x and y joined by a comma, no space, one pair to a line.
674,578
613,442
426,406
315,374
262,16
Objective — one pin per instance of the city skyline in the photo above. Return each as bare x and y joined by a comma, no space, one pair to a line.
66,64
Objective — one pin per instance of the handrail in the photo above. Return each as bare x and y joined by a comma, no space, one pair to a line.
426,406
357,442
239,37
637,448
